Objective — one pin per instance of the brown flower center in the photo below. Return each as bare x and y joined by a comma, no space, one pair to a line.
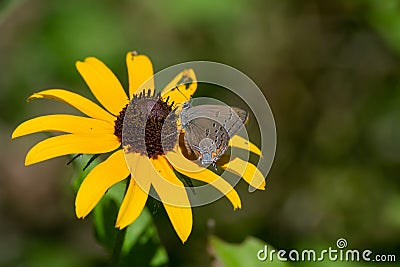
147,125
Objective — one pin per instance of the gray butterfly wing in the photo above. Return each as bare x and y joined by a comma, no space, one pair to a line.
199,129
231,118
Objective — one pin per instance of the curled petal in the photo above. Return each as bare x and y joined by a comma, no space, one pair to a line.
81,103
187,84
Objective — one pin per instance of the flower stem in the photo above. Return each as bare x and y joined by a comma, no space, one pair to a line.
119,241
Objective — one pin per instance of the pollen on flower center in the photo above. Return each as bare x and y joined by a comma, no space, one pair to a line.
142,125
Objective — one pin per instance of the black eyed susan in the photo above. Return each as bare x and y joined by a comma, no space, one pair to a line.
144,158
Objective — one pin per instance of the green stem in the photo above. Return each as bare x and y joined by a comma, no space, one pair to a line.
119,241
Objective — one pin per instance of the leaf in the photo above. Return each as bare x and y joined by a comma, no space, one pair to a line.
141,245
79,162
244,254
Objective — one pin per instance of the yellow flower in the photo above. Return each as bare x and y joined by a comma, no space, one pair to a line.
101,130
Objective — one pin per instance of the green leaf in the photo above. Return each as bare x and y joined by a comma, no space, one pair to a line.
79,163
141,245
244,254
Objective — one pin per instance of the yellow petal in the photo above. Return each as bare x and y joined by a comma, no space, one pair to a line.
247,171
140,70
169,188
179,161
192,170
174,197
136,195
79,102
219,183
240,142
103,83
71,144
187,84
98,181
63,123
181,219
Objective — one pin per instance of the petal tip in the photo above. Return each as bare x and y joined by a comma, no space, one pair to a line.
184,237
80,213
34,96
78,64
132,54
120,225
28,161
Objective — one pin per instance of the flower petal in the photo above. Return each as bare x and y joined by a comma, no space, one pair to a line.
140,70
71,144
136,195
179,161
169,188
187,84
240,142
247,171
63,123
192,170
174,197
81,103
219,183
98,181
181,219
103,83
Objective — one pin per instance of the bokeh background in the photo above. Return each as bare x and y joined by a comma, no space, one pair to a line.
329,69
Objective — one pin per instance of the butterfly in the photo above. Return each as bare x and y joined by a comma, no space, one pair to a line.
208,129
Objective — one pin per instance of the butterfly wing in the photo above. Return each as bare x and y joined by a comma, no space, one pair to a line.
200,128
231,118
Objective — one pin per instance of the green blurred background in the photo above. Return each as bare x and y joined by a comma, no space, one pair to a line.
329,69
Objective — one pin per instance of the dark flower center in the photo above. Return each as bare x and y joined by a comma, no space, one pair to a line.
147,125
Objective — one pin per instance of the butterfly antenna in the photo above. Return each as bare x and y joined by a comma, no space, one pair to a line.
177,88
